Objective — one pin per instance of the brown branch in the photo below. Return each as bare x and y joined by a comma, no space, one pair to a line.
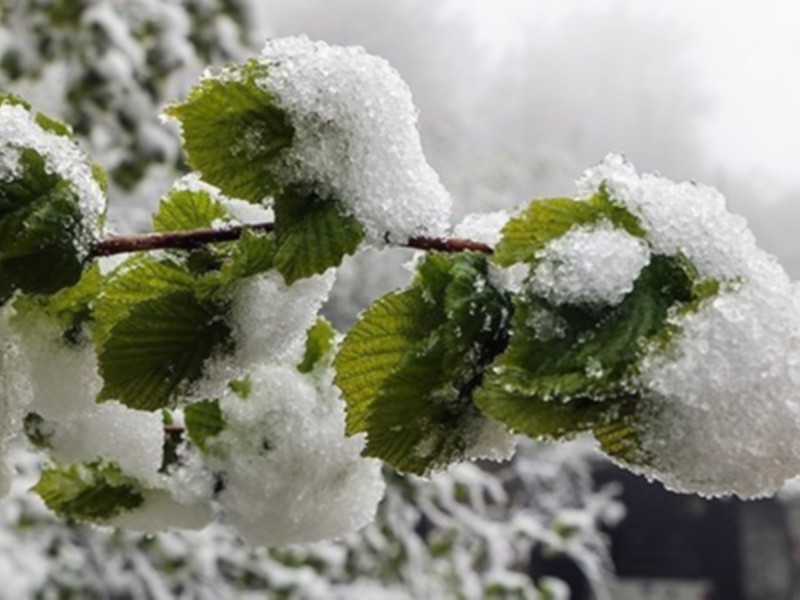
181,240
447,245
188,240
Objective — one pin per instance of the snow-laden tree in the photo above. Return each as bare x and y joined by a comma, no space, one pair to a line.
114,145
209,388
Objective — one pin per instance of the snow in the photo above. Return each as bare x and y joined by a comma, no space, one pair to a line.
160,512
720,412
596,264
356,138
133,439
18,131
290,475
269,321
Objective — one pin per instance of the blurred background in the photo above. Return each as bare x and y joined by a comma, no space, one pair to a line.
516,99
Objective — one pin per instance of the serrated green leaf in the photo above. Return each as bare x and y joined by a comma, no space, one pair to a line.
137,280
409,371
185,210
545,220
234,132
159,348
312,235
41,231
251,254
204,420
375,345
95,492
319,342
554,387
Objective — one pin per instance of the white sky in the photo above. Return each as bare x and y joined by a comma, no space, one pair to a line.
748,54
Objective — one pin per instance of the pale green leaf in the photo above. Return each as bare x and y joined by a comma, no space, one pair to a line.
185,210
319,343
234,132
545,220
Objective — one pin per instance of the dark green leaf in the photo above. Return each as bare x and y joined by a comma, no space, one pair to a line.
319,343
95,492
159,348
41,231
234,132
561,384
312,235
204,420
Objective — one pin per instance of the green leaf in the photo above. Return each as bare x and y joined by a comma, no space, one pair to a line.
251,254
159,348
319,343
185,210
618,437
42,233
95,492
234,132
72,306
137,280
375,345
312,235
408,368
204,420
553,386
545,220
241,387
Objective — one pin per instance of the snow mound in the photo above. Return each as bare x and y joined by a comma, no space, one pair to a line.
720,409
590,265
356,136
290,475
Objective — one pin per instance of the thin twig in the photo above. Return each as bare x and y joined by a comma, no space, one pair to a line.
182,240
188,240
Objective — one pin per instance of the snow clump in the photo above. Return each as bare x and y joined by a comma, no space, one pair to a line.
719,411
289,473
20,131
355,136
597,264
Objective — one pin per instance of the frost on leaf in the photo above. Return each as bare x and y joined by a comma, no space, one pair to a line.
409,367
50,204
